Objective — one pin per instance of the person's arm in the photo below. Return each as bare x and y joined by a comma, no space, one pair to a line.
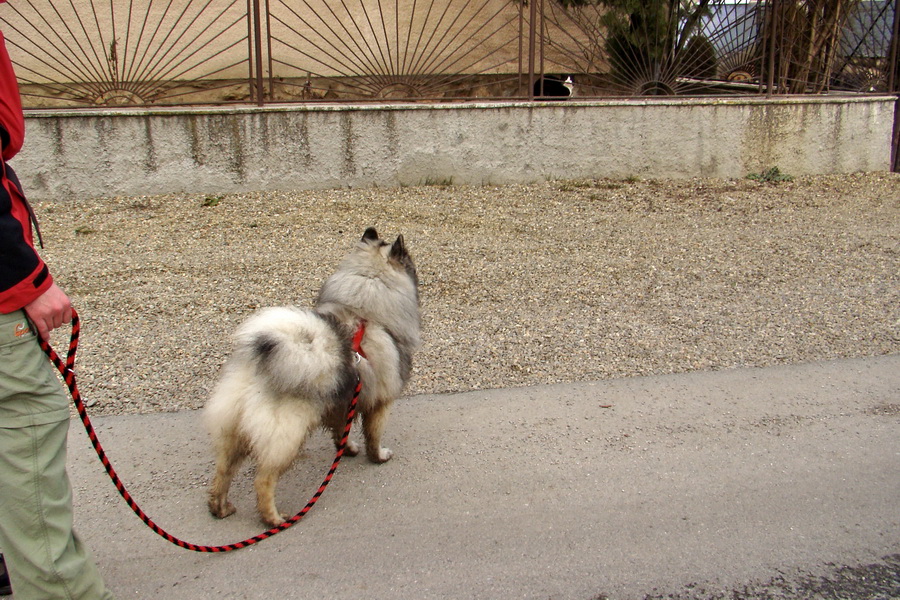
25,281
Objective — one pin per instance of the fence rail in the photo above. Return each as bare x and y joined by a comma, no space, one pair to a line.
183,52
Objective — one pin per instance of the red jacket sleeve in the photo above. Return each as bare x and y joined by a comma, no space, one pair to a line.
11,117
23,275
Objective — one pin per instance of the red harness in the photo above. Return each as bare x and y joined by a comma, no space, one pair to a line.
356,344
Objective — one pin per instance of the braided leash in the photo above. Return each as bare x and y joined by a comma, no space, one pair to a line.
67,370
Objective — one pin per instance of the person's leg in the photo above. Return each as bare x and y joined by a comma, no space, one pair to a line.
44,556
5,587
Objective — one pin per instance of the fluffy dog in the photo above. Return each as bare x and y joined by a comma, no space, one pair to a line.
293,370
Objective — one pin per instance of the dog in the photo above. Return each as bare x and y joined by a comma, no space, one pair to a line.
293,370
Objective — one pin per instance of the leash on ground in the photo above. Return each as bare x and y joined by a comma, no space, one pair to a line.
67,370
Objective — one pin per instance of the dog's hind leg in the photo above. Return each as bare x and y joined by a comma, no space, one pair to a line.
230,455
267,477
285,434
374,421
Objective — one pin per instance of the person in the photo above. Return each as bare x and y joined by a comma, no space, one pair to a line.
44,556
5,587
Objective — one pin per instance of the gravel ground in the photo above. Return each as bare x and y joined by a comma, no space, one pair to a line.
521,285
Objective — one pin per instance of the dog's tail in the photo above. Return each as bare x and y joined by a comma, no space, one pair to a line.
295,351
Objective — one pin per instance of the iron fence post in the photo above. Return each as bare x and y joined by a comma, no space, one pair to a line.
269,51
256,54
531,43
893,74
773,26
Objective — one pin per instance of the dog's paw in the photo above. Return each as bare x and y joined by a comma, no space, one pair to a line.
274,520
221,509
381,455
351,449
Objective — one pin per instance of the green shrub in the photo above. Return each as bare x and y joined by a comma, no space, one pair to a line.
772,175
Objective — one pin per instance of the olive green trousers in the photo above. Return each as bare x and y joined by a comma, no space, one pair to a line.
45,558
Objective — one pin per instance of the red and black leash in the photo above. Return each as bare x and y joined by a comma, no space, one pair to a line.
67,370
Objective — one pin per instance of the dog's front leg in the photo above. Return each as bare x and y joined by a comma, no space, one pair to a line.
337,434
374,421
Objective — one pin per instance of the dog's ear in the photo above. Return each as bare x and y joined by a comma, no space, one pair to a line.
398,249
400,257
370,234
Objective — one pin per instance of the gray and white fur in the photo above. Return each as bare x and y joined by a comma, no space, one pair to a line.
293,370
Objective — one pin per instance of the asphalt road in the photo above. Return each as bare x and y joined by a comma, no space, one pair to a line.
760,483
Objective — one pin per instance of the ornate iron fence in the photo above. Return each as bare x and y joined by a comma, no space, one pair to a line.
182,52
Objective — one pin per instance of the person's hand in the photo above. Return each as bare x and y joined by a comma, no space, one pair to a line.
50,310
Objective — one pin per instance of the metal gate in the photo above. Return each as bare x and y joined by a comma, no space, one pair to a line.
183,52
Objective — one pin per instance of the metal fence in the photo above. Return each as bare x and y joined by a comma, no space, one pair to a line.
183,52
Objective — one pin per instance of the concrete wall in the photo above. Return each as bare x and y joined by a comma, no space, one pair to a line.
214,150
